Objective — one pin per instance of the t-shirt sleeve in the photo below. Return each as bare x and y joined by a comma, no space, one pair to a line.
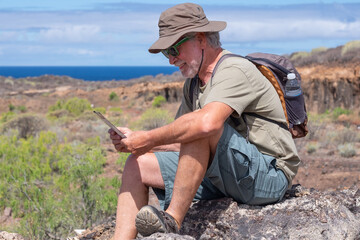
231,86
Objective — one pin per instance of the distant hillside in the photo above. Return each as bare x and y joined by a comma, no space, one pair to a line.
346,54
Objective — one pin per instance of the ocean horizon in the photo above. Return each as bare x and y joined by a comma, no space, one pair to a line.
87,73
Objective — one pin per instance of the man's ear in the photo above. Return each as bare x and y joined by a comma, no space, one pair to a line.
202,39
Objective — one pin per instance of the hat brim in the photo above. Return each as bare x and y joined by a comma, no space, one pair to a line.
167,41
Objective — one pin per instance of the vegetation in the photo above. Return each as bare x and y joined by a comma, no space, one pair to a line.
158,101
350,52
344,139
329,115
347,150
71,108
113,97
52,171
350,46
312,147
54,187
153,118
26,125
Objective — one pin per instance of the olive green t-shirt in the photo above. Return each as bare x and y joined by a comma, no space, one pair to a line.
240,85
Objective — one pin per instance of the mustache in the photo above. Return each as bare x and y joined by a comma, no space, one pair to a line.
178,64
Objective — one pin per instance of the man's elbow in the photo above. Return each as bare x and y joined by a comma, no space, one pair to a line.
210,126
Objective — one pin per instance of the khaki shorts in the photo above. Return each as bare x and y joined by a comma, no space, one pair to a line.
238,171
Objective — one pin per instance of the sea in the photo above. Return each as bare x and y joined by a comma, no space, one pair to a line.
88,73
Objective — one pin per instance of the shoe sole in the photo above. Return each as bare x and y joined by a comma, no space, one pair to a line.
147,221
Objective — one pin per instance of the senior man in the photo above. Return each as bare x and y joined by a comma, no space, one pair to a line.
204,153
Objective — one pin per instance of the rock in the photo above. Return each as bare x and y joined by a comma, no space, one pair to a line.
10,236
302,214
168,236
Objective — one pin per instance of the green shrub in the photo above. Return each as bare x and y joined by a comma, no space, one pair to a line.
7,116
54,187
77,106
153,118
59,105
100,109
347,150
113,97
74,107
11,107
339,111
21,109
158,101
116,109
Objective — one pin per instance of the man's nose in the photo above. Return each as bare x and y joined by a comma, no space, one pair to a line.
172,59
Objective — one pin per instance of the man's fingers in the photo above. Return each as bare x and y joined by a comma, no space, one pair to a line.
116,141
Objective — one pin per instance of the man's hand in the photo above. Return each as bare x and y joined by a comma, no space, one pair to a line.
136,143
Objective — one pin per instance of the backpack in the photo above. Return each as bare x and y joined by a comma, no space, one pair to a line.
276,68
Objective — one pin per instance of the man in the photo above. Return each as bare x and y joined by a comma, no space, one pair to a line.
204,154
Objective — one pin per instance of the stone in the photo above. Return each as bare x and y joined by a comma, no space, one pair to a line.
302,214
10,236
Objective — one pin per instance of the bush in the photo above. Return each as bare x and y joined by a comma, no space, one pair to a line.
11,107
153,118
116,109
59,105
113,97
77,106
26,125
54,187
318,50
347,150
339,111
7,117
311,147
350,46
73,107
158,101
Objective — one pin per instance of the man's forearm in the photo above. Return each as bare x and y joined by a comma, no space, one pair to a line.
175,147
187,128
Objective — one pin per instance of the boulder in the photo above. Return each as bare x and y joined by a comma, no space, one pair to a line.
302,214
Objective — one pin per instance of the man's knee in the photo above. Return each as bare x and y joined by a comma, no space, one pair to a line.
144,168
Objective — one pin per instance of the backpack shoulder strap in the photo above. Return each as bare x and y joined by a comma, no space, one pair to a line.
222,58
253,60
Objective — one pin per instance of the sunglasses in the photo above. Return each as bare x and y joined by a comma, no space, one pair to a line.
173,51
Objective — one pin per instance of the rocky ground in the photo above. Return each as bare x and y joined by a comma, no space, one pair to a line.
323,170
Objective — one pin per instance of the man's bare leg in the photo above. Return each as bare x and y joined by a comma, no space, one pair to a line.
193,163
139,173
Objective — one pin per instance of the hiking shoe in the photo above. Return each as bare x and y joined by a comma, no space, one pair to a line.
149,220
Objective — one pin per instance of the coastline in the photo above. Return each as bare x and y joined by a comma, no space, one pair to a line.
87,73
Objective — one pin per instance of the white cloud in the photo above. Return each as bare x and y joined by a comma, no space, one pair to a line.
70,33
78,51
248,30
121,35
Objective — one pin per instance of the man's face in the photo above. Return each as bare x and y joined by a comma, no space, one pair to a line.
189,58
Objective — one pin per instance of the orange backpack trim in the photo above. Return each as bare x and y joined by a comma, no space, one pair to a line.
270,76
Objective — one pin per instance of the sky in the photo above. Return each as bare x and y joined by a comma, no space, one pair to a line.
119,33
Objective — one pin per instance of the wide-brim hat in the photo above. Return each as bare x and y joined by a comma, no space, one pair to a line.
180,20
